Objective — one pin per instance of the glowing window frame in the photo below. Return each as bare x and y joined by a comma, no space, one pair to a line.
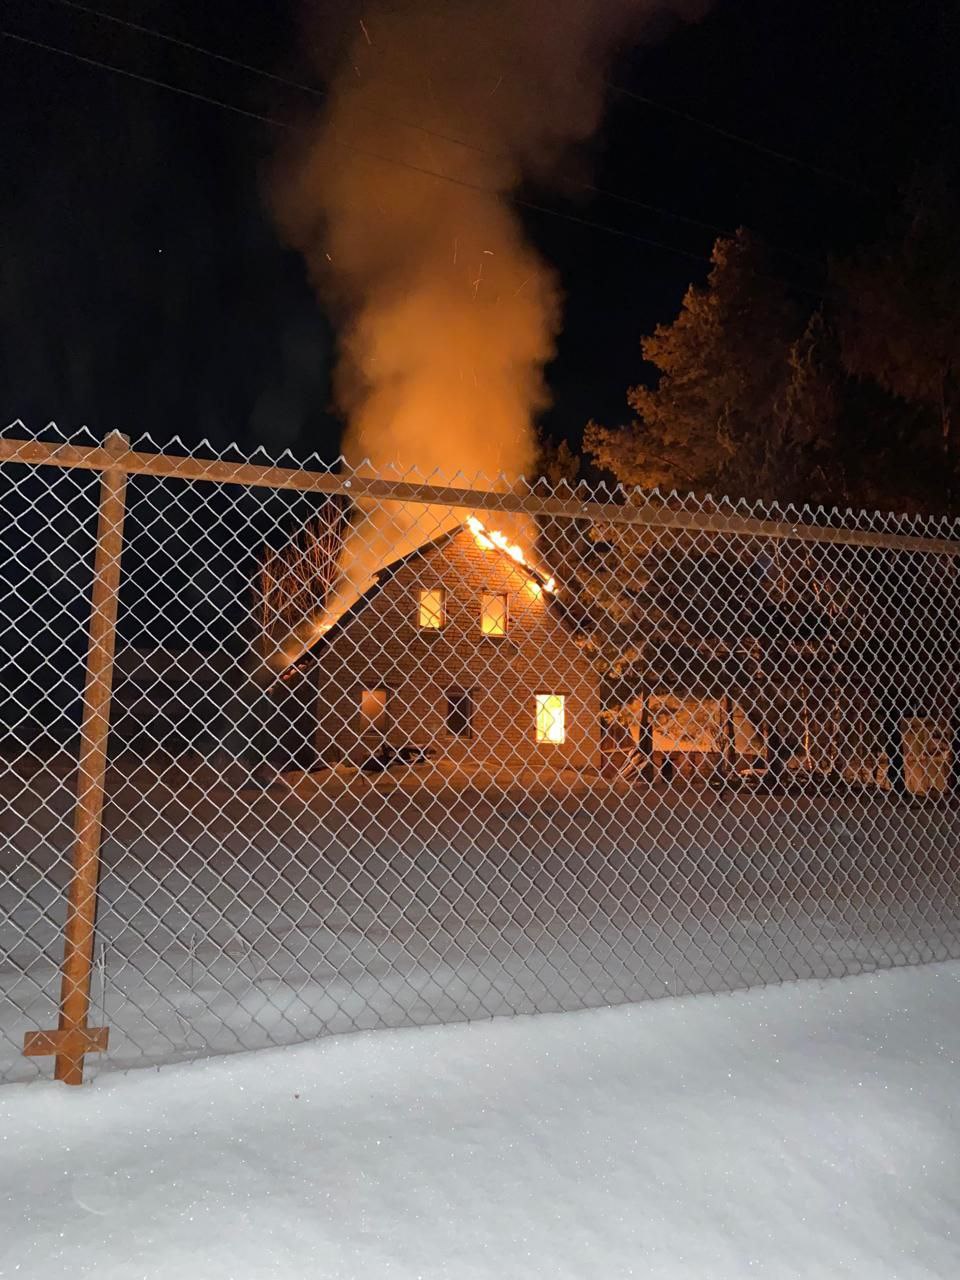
550,719
495,629
431,618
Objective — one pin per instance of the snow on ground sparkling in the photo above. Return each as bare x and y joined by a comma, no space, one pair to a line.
810,1130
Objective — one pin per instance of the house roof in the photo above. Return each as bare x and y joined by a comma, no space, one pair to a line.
383,576
388,571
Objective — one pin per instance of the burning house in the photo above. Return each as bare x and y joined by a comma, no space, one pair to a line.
447,316
460,652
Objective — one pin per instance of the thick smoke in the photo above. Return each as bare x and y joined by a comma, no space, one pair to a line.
447,315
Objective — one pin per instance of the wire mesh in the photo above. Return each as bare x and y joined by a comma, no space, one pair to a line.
383,761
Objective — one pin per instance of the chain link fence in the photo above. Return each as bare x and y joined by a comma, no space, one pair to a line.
385,752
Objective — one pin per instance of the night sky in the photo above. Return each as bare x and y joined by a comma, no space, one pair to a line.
144,287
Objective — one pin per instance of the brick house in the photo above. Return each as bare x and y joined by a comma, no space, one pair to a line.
458,649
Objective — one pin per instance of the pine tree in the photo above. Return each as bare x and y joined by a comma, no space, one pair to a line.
900,315
722,366
804,459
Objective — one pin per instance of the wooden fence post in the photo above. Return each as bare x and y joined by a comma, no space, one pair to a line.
73,1038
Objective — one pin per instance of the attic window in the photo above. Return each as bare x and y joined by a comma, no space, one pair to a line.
551,718
433,608
493,613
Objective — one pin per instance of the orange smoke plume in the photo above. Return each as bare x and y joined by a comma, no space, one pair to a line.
398,196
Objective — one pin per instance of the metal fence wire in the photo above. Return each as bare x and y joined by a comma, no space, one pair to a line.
388,751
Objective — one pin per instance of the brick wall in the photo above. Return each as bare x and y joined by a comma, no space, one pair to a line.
383,646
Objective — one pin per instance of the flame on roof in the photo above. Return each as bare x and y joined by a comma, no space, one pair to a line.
494,540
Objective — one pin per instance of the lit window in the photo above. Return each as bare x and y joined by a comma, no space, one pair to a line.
493,614
460,712
432,614
373,709
551,725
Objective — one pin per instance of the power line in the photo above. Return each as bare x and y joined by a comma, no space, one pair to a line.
453,139
527,204
730,136
300,85
314,91
373,155
194,48
619,232
134,75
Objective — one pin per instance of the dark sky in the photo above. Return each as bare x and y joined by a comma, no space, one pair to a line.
143,286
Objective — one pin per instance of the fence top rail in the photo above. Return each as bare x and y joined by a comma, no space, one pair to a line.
522,500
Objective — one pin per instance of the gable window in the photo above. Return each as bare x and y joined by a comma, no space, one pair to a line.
433,608
493,613
460,712
551,717
373,710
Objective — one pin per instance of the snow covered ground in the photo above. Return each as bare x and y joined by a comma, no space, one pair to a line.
810,1130
236,919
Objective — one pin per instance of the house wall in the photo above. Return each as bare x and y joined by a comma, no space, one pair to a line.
383,646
